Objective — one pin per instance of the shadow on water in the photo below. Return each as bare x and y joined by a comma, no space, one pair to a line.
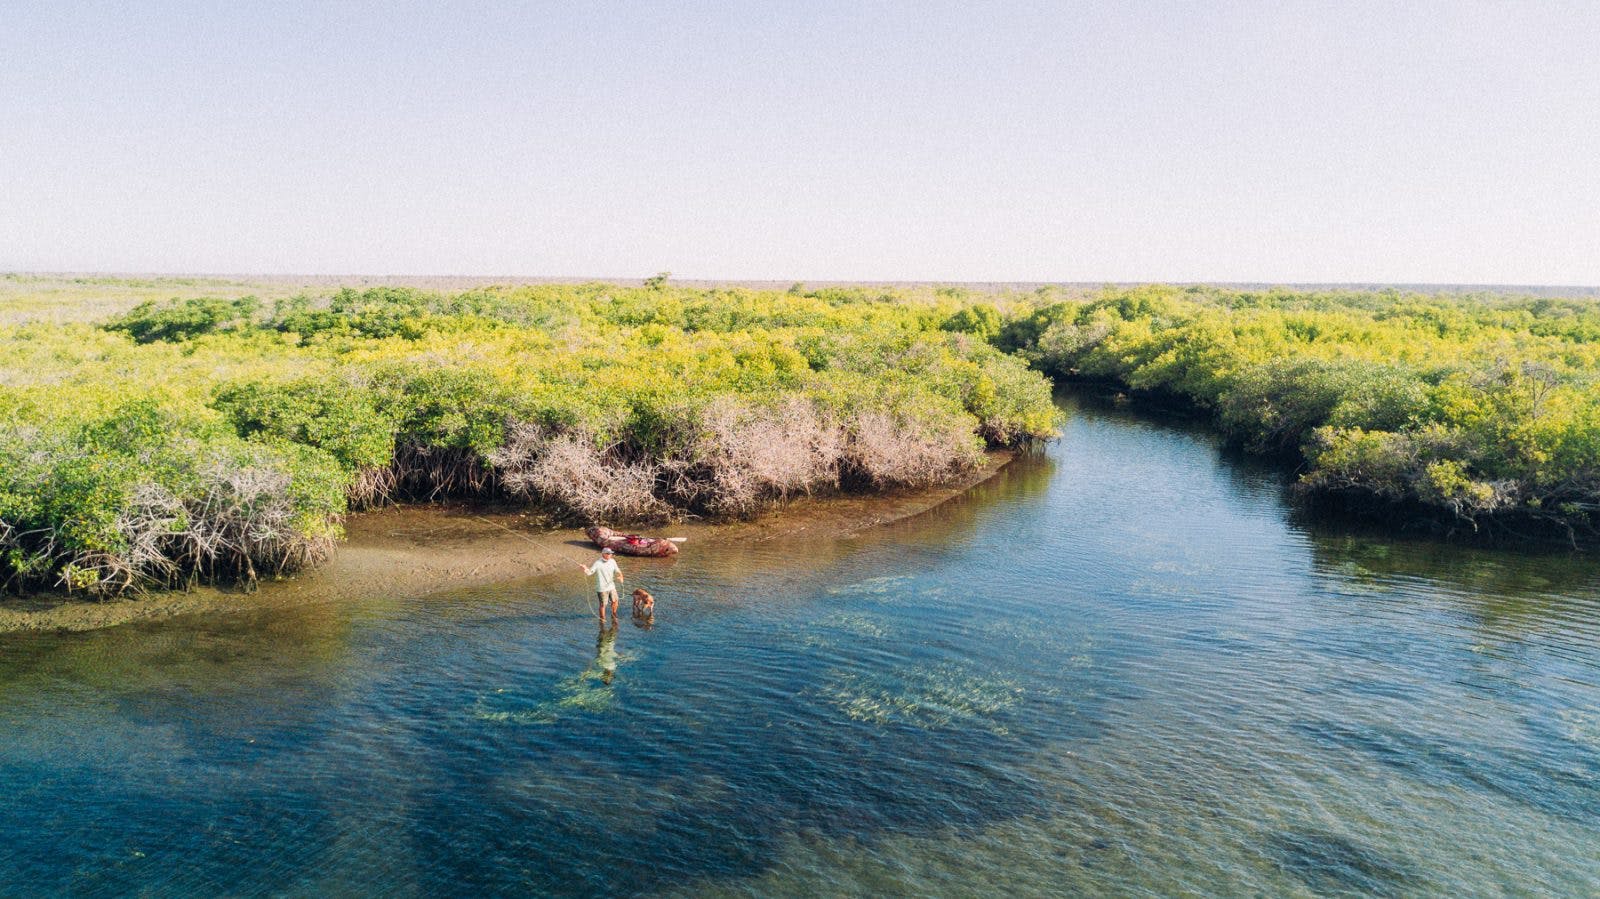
1570,789
1330,863
1542,585
1500,584
123,750
255,654
954,523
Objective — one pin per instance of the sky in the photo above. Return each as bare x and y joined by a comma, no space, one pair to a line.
1398,142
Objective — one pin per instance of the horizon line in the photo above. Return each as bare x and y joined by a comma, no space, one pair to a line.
821,282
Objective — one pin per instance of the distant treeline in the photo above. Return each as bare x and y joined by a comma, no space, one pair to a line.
1483,409
218,438
222,438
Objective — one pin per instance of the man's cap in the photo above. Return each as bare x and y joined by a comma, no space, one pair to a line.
607,551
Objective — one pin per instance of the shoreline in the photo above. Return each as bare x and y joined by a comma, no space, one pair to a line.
413,551
1518,529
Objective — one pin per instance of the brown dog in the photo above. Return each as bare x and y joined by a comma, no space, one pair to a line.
644,605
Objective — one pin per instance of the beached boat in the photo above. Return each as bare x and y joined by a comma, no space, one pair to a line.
631,544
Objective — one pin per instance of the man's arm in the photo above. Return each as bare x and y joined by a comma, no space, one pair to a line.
620,578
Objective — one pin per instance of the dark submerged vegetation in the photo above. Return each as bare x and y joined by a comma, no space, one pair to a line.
211,439
1481,410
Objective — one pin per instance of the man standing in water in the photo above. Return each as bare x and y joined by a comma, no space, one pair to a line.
606,576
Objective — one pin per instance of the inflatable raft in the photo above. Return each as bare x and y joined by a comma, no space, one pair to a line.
631,544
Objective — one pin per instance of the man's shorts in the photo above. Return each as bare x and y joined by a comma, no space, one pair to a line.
607,594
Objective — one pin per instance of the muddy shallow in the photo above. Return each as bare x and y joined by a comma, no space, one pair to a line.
409,551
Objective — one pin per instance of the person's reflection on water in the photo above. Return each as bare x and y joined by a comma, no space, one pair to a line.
605,654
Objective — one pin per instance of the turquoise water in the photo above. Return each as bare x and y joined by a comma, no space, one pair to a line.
1128,665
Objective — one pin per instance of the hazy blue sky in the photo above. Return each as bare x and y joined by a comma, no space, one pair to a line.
1281,141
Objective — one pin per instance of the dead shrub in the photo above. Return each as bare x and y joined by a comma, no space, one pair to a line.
244,525
147,527
745,456
885,449
570,472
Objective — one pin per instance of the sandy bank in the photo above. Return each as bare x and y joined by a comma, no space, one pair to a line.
418,550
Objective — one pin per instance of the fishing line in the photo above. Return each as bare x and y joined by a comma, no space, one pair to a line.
547,548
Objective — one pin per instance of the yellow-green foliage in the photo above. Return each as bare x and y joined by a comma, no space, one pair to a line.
1480,405
226,435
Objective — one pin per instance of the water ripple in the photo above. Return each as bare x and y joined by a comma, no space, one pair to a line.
1128,667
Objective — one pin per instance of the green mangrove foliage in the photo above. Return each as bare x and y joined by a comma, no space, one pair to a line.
1485,408
216,438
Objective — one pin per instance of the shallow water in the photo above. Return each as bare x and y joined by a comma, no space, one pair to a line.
1128,665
